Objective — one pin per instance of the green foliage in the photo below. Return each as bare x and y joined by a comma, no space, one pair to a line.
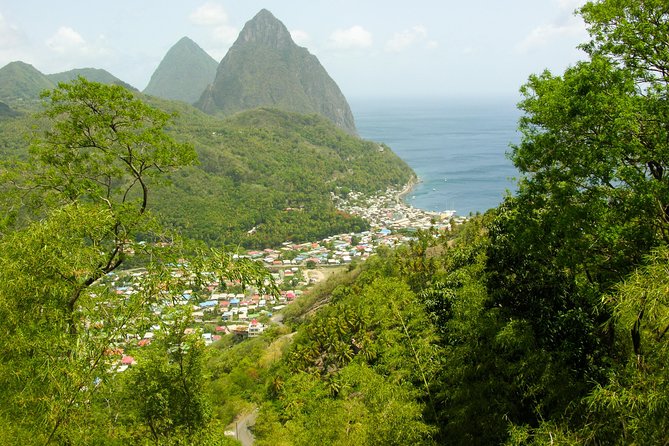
633,403
358,372
592,204
62,321
271,173
543,321
239,373
104,145
166,388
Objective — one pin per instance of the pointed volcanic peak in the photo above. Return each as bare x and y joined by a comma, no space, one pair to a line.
22,81
183,74
91,74
265,68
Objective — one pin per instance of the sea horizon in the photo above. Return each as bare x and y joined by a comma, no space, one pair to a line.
457,146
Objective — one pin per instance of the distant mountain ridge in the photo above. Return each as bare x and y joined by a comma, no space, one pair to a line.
20,81
265,68
91,74
183,74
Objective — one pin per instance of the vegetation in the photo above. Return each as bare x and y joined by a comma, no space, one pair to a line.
21,83
265,68
184,73
278,169
547,317
80,202
543,321
264,176
90,74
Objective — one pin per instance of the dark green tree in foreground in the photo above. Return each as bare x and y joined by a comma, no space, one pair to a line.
593,203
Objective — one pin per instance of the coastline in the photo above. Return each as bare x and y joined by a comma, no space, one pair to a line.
408,187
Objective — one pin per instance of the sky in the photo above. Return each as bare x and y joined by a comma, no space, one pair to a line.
371,48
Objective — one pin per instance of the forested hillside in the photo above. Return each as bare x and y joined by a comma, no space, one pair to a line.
21,83
264,171
272,172
543,321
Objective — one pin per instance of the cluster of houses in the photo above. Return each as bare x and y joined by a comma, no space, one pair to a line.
241,307
246,313
392,223
386,211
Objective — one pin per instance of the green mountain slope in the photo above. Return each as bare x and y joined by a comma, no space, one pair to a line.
266,177
265,67
184,73
21,81
263,171
6,111
92,74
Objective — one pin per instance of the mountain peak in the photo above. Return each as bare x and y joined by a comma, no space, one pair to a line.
186,43
185,40
265,68
91,74
185,71
20,80
266,29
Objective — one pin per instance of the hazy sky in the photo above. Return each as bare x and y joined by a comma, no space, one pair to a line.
393,48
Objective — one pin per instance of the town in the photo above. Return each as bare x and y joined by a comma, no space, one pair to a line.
245,312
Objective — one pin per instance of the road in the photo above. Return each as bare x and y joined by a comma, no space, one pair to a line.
242,428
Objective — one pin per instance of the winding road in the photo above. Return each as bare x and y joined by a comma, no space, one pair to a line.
242,431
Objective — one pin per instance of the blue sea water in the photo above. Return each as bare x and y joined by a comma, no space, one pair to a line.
456,147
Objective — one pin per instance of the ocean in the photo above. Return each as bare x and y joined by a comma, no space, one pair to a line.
456,147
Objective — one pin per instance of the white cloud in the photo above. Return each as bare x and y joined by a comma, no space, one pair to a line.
573,28
209,14
66,39
571,5
355,37
68,49
300,37
14,44
565,25
10,36
409,37
214,18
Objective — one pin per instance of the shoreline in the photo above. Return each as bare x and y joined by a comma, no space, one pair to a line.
401,194
408,187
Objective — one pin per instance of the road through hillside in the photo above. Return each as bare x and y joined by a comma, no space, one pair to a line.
242,428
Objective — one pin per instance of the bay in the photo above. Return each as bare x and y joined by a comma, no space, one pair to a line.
457,147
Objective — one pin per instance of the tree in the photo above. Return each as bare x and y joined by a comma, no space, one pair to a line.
592,203
105,148
87,181
167,388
